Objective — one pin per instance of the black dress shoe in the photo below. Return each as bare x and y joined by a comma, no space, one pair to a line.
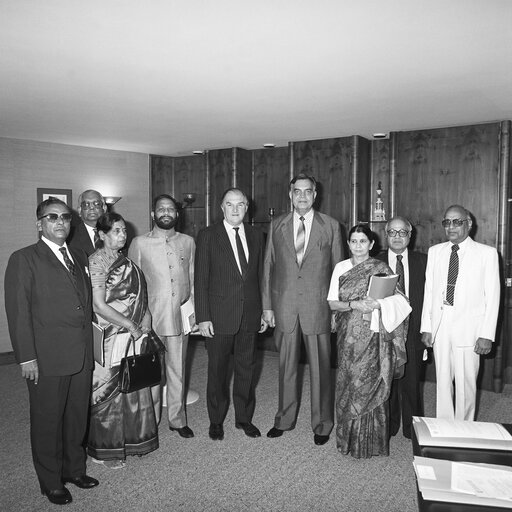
249,429
275,432
185,431
216,431
320,440
84,481
58,496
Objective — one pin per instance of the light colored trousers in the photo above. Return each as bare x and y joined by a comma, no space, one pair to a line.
454,364
175,361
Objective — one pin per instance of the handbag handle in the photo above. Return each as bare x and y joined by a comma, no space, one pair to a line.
128,345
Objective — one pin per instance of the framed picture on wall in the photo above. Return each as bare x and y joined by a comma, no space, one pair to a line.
63,194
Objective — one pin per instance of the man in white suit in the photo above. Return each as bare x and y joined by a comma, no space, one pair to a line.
167,259
460,311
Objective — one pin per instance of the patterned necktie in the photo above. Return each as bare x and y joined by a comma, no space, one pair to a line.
300,242
241,253
453,272
400,273
68,262
97,239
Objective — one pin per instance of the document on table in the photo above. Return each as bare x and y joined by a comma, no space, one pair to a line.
461,434
478,484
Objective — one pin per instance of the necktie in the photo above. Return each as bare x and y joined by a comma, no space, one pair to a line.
453,271
241,253
97,240
400,273
68,262
301,241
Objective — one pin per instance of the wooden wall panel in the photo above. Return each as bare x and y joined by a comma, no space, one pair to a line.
271,178
437,168
221,176
329,161
161,175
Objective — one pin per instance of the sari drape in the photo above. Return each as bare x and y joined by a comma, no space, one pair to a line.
367,362
121,424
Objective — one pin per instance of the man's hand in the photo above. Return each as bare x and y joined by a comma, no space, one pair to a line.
483,346
30,371
263,325
426,339
206,329
269,318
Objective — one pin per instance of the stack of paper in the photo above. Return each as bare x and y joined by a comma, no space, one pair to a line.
464,482
111,355
461,434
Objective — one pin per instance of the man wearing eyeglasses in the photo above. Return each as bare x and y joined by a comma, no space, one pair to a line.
49,312
460,311
91,206
405,397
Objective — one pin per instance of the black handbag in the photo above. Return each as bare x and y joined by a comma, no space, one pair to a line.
139,370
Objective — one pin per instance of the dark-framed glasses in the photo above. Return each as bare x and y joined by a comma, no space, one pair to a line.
453,222
397,232
53,217
89,205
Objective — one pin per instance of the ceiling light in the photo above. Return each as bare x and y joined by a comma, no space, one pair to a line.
198,152
380,135
269,145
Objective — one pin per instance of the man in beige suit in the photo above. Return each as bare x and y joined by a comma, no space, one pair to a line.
302,249
167,259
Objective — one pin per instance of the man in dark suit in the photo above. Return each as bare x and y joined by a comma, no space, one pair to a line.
91,206
228,266
48,305
302,249
405,398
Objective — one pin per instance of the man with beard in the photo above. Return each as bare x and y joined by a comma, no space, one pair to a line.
91,206
167,259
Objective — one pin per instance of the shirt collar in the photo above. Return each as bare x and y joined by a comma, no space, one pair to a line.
230,229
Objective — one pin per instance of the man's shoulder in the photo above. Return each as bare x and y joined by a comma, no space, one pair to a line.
382,256
417,255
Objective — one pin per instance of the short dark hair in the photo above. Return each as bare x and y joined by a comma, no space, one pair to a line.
233,189
41,207
165,196
107,220
362,228
303,176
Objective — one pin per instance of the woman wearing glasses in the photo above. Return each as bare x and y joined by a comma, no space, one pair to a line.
368,355
121,424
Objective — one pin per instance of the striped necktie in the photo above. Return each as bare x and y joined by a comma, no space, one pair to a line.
300,242
97,240
400,273
453,272
241,253
68,262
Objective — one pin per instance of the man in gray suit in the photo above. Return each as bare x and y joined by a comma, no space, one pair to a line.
302,249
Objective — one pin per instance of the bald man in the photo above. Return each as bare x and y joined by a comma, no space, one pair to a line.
460,311
91,206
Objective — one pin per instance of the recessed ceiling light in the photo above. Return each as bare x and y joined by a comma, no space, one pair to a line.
269,145
198,152
380,135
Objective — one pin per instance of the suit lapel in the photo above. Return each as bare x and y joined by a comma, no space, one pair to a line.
226,247
287,233
315,235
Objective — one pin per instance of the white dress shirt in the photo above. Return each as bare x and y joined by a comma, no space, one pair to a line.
56,250
308,222
405,262
231,235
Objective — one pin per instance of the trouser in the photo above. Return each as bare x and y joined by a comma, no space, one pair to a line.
318,348
454,364
175,362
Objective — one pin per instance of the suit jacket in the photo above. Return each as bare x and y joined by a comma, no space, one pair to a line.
49,316
292,291
79,239
168,286
477,292
222,295
417,266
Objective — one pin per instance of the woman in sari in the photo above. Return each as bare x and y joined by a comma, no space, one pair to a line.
121,424
367,359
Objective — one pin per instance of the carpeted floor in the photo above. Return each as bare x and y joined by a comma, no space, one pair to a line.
238,474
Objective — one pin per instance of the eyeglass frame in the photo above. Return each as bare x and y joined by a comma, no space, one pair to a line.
402,233
54,217
456,223
89,205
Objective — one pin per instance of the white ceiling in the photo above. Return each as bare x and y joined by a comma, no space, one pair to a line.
171,76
